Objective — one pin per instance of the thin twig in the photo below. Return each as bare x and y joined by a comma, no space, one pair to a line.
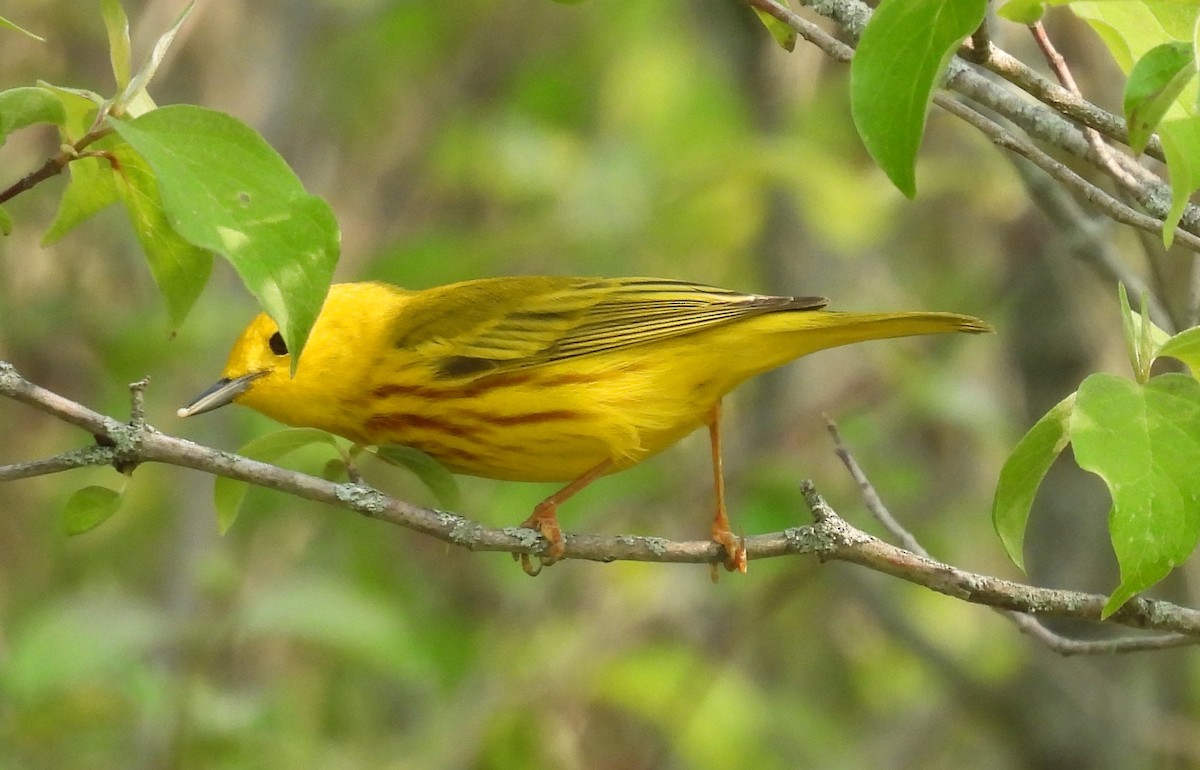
1053,95
981,38
1111,207
831,46
1048,126
53,165
1026,623
857,547
870,497
83,457
1059,66
137,407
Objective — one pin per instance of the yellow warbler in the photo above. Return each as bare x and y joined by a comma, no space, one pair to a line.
539,378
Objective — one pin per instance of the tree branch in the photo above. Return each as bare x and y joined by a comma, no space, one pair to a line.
1026,623
1042,120
1119,168
1053,95
83,457
829,537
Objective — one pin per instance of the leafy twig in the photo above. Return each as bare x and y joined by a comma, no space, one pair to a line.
1038,120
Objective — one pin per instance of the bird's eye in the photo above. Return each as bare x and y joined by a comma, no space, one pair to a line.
277,345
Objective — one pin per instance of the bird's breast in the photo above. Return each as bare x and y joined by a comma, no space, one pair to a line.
549,423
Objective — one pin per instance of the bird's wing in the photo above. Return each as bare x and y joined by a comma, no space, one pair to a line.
508,324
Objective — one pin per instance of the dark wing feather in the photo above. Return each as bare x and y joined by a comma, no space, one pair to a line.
554,319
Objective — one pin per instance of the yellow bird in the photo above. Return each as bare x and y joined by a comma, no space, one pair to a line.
539,378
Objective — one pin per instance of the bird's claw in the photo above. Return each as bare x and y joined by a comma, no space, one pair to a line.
545,525
735,552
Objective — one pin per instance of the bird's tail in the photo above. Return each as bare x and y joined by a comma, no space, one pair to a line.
842,328
813,330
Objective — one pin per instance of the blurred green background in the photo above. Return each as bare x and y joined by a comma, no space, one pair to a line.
483,137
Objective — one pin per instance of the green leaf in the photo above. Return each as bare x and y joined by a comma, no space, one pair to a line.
1022,474
1181,146
1022,11
92,184
432,474
228,494
180,269
20,107
1131,29
117,25
92,187
88,508
80,107
781,32
1131,336
901,57
224,189
133,98
272,446
1154,84
1184,346
1144,442
1143,337
5,222
6,24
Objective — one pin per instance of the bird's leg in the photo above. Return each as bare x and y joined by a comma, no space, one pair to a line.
735,547
545,519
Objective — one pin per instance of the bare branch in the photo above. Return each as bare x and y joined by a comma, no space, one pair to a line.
1025,622
1053,95
1102,151
867,491
1030,626
83,457
853,545
1084,189
829,537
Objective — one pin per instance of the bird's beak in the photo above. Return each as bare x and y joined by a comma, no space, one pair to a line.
223,392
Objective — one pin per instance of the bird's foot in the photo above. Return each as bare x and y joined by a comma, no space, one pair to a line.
544,521
735,551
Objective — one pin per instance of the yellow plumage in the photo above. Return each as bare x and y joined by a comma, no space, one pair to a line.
538,378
